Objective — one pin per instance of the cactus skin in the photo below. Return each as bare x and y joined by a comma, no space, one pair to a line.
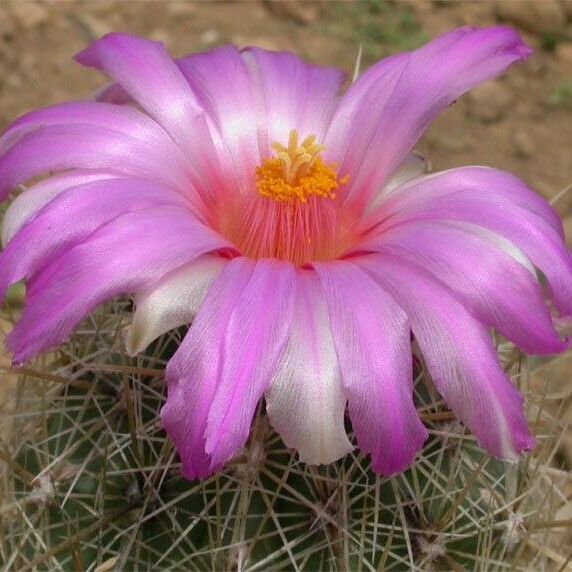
91,483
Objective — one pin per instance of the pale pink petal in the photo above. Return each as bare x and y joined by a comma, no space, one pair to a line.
106,265
386,118
495,201
497,187
193,373
63,223
365,89
497,289
226,361
373,344
369,94
293,93
148,73
254,343
76,147
126,120
222,83
459,354
413,166
171,303
28,203
306,402
113,93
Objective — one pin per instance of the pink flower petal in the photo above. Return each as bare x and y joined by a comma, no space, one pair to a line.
305,402
113,93
496,201
255,339
373,345
494,186
236,112
111,262
412,167
63,223
147,72
226,361
349,133
386,118
77,146
293,93
27,204
171,303
490,283
126,120
193,372
459,354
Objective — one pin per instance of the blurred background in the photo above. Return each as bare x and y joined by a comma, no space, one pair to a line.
521,122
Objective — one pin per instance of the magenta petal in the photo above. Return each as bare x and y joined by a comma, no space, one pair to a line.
27,204
459,354
226,361
254,341
193,372
394,111
70,218
495,201
111,262
126,120
113,93
305,401
360,109
372,338
499,188
496,288
147,72
57,148
293,93
412,167
235,111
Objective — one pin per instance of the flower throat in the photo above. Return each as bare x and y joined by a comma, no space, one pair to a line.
297,172
294,215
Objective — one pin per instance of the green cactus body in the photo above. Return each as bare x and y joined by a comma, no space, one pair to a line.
92,483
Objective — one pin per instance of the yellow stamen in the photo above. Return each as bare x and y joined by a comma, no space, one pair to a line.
297,171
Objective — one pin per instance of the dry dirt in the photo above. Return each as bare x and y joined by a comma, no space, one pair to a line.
521,122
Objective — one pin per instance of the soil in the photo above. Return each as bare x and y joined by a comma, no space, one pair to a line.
521,122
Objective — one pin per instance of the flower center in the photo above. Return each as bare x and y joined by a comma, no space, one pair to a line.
297,172
285,216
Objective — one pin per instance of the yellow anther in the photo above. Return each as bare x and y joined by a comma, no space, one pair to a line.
297,171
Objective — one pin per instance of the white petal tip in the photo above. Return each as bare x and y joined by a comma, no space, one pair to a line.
5,237
325,457
134,342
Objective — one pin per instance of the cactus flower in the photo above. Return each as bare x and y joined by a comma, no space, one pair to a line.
288,220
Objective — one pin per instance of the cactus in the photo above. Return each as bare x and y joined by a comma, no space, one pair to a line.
90,482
